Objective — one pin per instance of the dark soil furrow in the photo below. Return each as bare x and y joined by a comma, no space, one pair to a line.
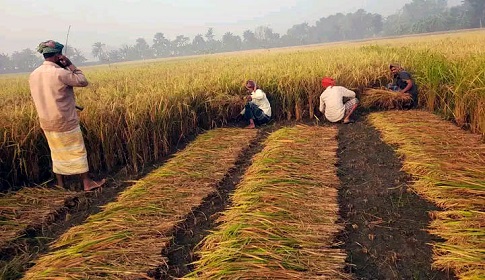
196,226
385,223
16,255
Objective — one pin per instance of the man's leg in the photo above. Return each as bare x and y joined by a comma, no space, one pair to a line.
350,107
249,114
60,180
89,184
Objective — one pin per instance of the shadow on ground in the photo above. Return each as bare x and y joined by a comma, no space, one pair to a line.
384,236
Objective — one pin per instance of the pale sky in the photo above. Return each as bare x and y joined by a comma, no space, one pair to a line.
25,23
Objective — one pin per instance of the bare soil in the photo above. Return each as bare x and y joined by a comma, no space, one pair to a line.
385,222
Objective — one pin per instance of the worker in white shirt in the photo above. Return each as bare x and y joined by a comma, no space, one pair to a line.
331,102
257,110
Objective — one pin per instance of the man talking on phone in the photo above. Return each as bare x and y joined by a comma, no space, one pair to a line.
51,87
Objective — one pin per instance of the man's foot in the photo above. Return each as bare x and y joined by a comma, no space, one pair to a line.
250,126
92,185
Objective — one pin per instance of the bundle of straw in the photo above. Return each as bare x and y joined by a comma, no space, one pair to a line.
384,99
226,107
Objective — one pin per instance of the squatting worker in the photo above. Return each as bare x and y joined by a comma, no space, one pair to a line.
51,87
403,82
332,101
257,110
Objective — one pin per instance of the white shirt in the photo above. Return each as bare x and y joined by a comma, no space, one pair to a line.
332,103
259,98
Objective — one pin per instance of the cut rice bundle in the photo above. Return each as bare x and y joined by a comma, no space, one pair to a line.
385,99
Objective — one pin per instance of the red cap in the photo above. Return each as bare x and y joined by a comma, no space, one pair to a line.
327,81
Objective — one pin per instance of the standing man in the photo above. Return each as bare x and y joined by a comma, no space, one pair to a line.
51,87
332,101
403,82
258,109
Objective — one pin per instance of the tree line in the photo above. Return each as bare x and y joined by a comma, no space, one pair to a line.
419,16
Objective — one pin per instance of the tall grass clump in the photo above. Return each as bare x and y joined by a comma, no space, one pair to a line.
449,167
283,221
125,240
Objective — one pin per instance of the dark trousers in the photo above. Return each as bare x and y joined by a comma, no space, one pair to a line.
253,112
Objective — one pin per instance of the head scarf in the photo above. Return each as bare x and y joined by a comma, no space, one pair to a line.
50,47
328,81
251,84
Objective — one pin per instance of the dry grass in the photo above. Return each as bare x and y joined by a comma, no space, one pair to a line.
29,208
125,240
449,166
384,99
282,223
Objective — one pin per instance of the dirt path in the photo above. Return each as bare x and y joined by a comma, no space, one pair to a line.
384,221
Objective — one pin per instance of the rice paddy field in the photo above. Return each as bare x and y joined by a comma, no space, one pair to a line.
397,195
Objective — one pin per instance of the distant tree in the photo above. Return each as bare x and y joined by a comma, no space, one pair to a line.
231,42
477,12
198,44
5,63
329,29
128,53
377,24
458,17
161,45
298,34
266,36
98,51
25,60
249,40
209,35
413,16
115,56
213,45
179,45
143,49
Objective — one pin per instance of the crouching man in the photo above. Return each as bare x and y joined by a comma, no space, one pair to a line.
332,102
257,110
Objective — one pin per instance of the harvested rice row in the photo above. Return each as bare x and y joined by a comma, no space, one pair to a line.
282,223
449,165
125,240
30,208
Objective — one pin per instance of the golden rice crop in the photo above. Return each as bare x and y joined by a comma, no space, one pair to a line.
283,221
134,113
449,167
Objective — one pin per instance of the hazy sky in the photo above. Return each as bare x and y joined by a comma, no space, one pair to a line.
25,23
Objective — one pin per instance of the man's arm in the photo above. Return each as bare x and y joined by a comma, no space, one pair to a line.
406,77
257,94
348,93
322,104
71,76
408,86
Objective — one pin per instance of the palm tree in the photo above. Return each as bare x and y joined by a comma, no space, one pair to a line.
98,51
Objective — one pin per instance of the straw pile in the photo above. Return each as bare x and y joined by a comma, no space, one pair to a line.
124,241
449,165
283,220
384,99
